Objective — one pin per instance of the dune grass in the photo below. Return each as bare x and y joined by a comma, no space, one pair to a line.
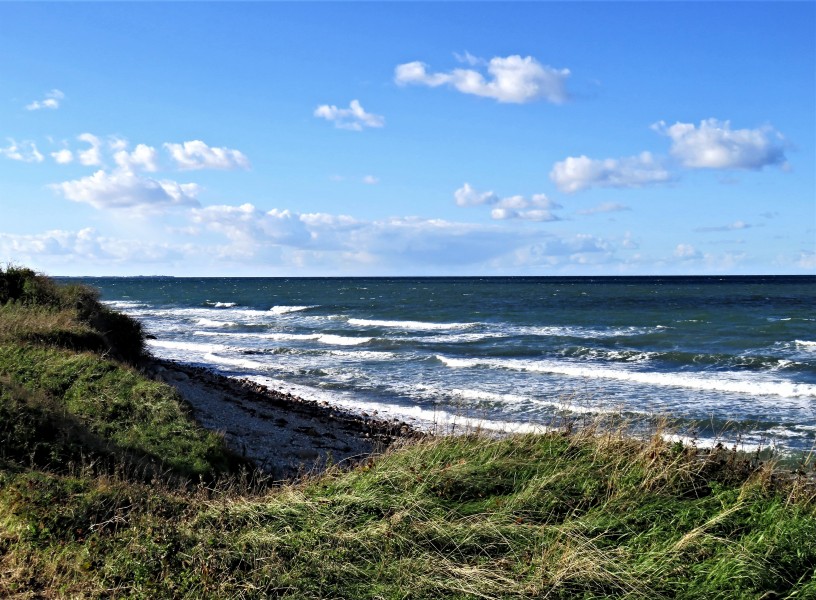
109,490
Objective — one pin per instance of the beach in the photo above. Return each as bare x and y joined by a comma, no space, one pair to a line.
283,435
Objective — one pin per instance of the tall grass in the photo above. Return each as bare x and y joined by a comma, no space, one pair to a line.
534,516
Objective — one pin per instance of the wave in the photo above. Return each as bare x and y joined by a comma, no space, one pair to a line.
323,338
221,304
125,304
805,344
228,361
342,340
409,325
722,382
212,323
453,338
282,310
588,332
188,346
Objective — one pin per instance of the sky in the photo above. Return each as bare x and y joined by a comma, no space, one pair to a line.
408,139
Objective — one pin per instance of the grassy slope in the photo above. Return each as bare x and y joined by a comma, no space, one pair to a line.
586,515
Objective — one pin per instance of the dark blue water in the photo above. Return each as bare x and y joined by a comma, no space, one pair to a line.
728,358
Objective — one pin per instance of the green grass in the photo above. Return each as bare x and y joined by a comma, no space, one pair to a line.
548,516
109,490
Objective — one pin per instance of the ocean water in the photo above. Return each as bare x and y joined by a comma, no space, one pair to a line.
729,359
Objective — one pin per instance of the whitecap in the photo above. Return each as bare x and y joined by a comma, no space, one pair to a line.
341,340
409,325
187,346
212,323
282,310
722,382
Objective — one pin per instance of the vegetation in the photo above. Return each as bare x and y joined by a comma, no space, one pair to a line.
86,512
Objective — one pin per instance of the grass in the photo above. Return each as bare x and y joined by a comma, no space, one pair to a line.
109,490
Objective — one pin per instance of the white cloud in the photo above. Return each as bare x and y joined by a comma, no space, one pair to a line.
714,145
807,260
469,59
513,79
345,243
63,157
25,151
370,180
606,207
77,249
736,225
577,173
50,101
628,243
536,208
195,154
125,190
143,157
467,196
90,157
686,252
354,117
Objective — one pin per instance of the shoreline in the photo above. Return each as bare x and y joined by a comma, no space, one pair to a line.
284,436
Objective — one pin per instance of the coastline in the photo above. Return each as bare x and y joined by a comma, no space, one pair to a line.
284,435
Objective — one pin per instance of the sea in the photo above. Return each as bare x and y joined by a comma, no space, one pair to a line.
728,360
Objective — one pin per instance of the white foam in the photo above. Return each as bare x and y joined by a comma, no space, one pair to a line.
409,325
435,420
224,304
805,344
282,310
454,338
186,346
125,304
586,332
721,382
235,362
341,340
280,337
323,338
212,323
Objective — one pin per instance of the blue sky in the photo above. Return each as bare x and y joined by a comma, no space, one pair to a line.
464,138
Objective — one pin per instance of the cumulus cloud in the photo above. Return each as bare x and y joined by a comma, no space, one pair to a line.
580,249
195,155
467,196
347,243
90,157
536,208
371,180
686,252
124,190
249,227
25,151
577,173
714,145
354,117
143,157
511,79
84,246
51,101
63,157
